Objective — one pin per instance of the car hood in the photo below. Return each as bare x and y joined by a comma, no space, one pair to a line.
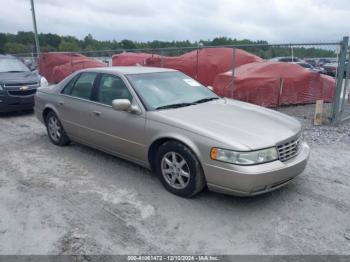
20,77
242,126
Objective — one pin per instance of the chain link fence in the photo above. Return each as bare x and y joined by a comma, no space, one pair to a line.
341,104
240,68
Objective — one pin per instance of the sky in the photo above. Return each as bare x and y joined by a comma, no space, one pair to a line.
277,21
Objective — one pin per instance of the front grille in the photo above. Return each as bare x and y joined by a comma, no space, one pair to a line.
22,92
289,149
30,84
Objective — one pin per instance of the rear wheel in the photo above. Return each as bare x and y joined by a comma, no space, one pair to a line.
55,130
179,169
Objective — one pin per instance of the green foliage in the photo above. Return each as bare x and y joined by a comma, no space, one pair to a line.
68,46
51,41
25,38
3,41
128,44
47,48
16,48
24,42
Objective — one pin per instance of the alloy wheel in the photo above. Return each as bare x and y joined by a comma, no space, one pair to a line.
175,170
54,128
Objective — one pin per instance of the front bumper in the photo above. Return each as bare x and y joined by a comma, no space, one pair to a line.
254,180
10,103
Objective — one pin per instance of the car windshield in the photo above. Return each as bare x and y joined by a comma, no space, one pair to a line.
305,65
12,65
169,90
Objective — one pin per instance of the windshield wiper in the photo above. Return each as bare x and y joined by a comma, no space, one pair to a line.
174,105
205,100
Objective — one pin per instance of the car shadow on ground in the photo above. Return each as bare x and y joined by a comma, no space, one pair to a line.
283,192
286,192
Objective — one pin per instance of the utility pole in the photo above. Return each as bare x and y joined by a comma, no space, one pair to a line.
35,29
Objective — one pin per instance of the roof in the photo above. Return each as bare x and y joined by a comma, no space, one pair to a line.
130,70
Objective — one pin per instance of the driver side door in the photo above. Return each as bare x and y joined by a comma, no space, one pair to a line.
119,132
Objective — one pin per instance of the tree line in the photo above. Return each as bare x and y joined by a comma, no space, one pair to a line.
23,42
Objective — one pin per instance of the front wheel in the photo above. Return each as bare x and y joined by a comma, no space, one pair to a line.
55,130
179,169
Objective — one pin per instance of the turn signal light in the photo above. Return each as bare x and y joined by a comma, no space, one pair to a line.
214,153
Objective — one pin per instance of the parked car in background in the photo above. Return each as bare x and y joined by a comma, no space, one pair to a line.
309,67
287,59
331,68
17,84
168,122
311,61
323,61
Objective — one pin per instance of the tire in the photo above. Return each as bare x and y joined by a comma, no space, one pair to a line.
55,130
179,169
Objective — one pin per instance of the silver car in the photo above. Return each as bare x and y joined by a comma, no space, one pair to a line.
168,122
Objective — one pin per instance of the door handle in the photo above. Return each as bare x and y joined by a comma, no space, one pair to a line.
96,113
61,103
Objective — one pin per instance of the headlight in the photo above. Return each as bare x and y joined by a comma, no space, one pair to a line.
244,158
43,82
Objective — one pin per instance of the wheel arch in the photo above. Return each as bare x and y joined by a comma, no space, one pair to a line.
46,111
152,150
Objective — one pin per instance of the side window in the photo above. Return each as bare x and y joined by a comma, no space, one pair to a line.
83,86
110,88
68,88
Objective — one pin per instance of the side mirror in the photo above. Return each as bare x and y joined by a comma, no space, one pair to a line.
125,105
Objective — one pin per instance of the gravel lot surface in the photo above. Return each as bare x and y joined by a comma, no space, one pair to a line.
320,135
76,200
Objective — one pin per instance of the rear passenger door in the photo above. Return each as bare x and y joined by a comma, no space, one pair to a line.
74,107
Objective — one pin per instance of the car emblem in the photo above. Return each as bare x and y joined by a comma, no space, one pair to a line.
23,88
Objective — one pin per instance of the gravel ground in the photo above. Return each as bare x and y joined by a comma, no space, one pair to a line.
319,135
76,200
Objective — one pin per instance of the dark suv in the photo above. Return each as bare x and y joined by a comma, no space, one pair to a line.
17,84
